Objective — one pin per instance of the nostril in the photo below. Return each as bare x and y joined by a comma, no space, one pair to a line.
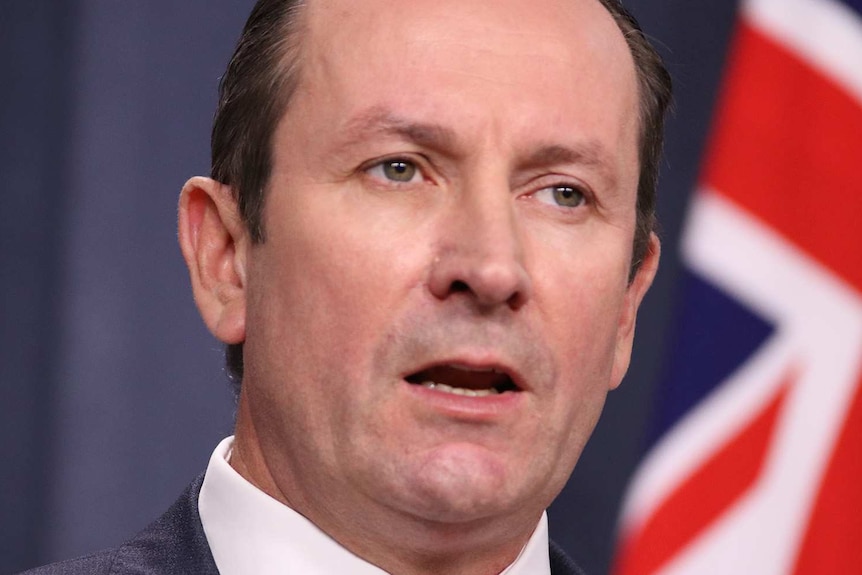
459,286
516,300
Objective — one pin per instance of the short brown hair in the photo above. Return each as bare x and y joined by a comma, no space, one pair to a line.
263,74
655,93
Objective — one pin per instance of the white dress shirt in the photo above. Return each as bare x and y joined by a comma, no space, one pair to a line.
250,533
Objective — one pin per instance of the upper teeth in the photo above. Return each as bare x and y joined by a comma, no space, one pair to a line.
460,390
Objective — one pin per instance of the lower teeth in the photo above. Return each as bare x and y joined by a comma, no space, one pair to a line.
460,390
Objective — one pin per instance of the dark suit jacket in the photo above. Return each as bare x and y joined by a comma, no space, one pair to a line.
176,545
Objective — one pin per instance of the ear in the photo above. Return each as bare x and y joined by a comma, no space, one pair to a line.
214,242
634,295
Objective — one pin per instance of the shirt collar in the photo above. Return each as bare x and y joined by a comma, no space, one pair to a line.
250,532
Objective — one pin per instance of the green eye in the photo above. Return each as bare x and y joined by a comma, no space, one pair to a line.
398,170
567,196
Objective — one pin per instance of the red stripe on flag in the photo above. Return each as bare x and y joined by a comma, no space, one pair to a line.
833,542
704,496
787,146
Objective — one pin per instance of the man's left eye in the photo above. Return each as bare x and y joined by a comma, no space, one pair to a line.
562,195
397,170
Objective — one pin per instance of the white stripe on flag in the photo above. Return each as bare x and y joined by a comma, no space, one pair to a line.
820,331
825,33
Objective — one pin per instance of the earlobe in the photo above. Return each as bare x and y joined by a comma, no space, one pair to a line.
635,293
214,242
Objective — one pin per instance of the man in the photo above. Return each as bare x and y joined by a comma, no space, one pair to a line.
427,234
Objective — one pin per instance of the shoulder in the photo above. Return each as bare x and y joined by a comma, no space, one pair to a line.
173,544
561,563
95,564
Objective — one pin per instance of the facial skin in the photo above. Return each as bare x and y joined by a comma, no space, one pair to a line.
453,193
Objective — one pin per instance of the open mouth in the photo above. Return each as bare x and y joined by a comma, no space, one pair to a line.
462,380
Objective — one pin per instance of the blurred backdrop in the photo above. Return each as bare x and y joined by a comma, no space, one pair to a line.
112,393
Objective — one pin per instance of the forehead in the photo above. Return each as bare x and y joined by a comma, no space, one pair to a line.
554,19
516,66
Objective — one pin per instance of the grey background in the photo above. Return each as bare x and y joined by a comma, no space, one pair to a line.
111,390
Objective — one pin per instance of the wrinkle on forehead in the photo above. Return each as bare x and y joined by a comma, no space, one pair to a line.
453,67
534,156
379,119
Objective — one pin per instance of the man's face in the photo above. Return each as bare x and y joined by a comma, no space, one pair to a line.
441,303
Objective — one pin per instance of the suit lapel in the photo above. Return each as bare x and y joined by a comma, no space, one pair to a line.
562,564
175,544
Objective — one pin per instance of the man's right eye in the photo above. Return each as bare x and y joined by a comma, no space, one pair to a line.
395,170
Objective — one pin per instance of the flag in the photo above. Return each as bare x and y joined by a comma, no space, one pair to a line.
756,462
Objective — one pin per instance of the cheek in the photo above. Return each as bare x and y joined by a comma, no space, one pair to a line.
581,305
325,286
582,311
585,361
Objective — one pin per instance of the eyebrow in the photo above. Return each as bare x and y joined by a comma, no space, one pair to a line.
589,153
381,121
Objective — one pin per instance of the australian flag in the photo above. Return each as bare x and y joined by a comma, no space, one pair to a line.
756,464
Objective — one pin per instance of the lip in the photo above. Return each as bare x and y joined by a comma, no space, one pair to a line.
485,409
479,362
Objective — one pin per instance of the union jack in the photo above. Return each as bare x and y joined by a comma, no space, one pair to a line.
756,467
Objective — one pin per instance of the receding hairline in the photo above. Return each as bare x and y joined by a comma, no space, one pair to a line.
296,30
291,72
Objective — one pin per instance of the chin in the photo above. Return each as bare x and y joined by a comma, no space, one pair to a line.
461,483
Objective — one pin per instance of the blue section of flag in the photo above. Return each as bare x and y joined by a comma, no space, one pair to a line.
714,335
855,5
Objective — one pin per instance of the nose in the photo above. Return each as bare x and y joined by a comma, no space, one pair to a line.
480,253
